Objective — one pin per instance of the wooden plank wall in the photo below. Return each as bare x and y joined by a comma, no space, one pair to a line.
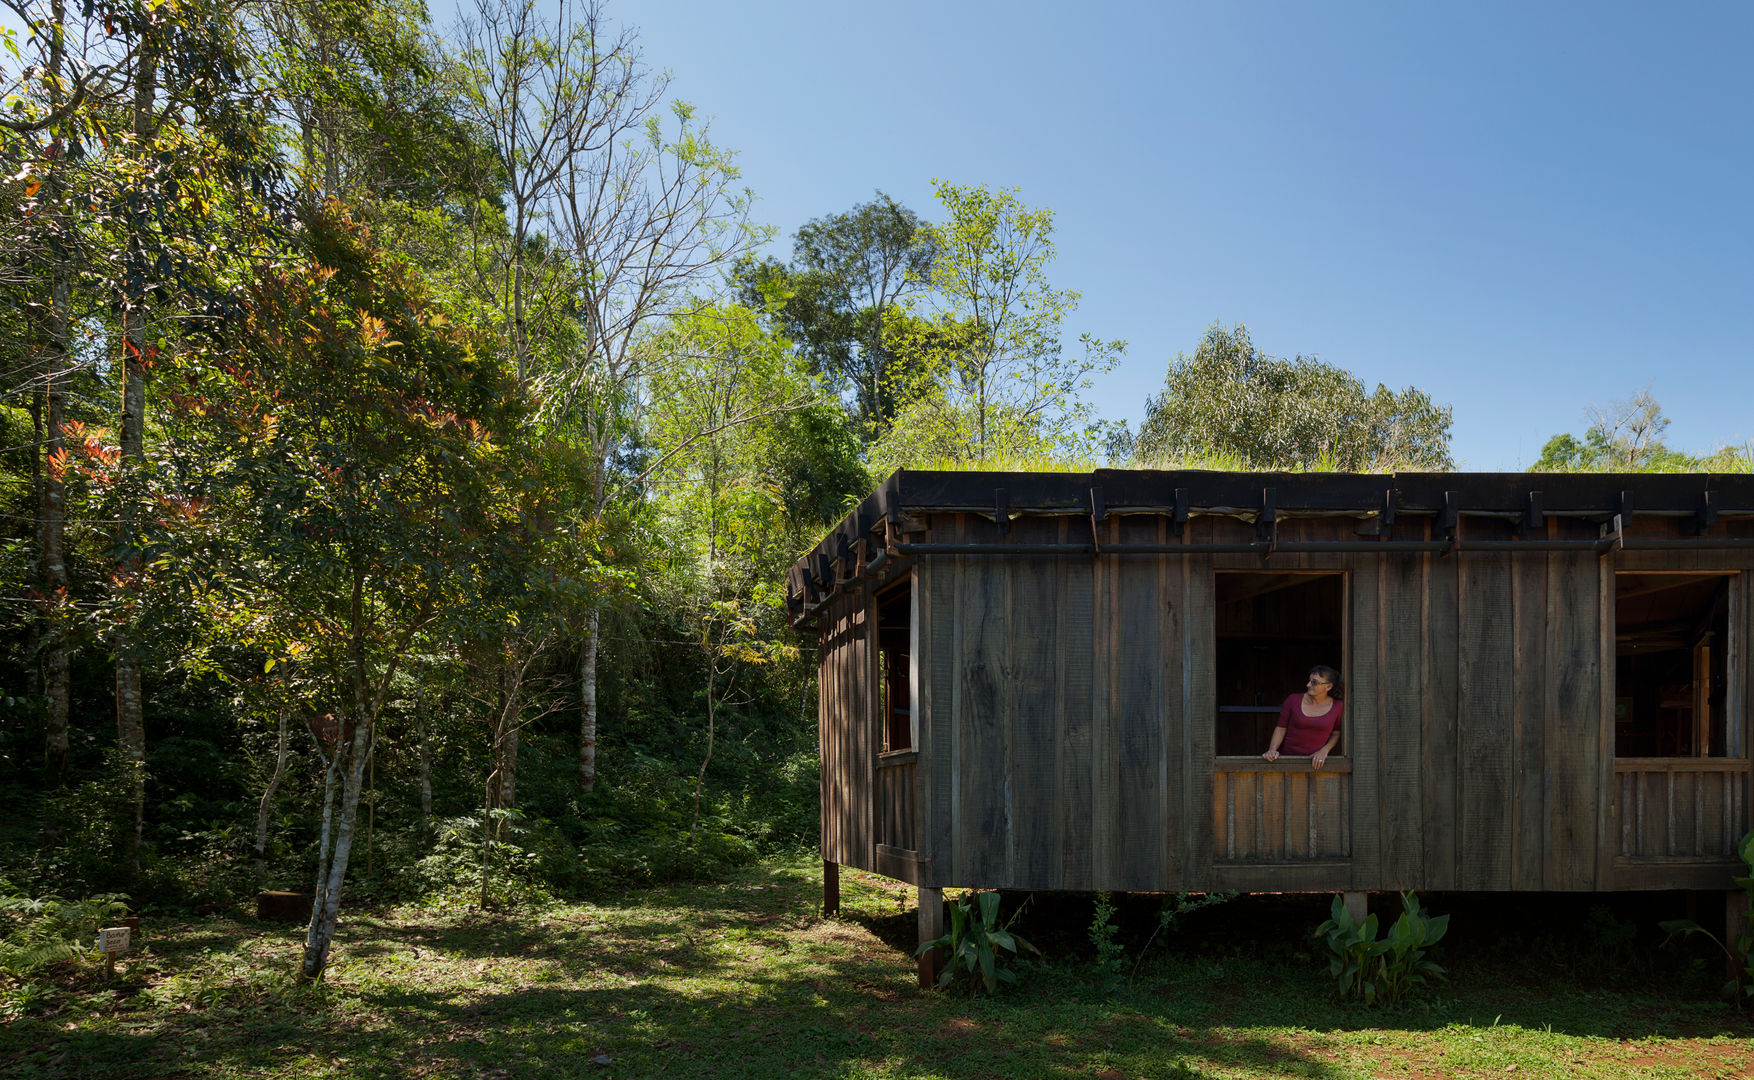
1261,812
895,815
1681,808
848,729
1066,719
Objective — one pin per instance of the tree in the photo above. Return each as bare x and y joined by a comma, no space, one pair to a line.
986,374
1625,435
848,271
1233,402
717,422
355,494
636,208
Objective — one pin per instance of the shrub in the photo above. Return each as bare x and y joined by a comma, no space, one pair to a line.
976,943
1369,970
35,933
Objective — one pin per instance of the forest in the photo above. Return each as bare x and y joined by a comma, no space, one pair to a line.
405,430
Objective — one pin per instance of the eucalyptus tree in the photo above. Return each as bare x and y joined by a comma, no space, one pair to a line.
1232,400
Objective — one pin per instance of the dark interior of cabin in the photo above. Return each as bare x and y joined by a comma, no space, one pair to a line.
1271,628
1671,639
894,610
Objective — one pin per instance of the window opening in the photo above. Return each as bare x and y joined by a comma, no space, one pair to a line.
1271,628
894,691
1671,635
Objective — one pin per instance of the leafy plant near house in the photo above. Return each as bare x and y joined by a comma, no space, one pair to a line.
1110,954
976,943
1741,949
1370,970
36,932
1174,908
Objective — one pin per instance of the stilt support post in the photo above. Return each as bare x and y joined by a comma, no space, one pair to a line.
931,928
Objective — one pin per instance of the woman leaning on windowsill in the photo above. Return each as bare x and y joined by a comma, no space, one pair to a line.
1309,723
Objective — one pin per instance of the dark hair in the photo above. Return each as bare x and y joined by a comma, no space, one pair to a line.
1329,676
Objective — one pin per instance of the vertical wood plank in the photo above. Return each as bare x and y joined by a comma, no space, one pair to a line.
1296,844
870,732
1105,817
1580,632
1363,725
1077,817
1199,706
946,578
1484,686
1528,723
1031,692
1440,762
1181,803
1140,714
1242,815
983,822
1591,807
1713,814
1403,696
921,701
1274,791
1221,814
1652,814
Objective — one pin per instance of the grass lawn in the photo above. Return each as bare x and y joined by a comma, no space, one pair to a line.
744,978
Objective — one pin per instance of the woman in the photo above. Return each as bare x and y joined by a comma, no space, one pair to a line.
1309,723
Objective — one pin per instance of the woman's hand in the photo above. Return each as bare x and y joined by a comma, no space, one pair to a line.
1318,758
1271,755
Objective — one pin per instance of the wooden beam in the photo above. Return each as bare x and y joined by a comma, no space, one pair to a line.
931,927
1357,905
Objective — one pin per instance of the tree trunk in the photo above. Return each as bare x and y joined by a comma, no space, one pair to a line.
588,699
52,514
52,414
267,804
505,743
326,911
425,765
130,709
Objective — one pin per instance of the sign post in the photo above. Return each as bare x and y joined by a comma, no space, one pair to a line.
111,941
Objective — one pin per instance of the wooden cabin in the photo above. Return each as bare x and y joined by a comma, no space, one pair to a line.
1065,681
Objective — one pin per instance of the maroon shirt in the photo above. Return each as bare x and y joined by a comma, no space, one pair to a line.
1307,734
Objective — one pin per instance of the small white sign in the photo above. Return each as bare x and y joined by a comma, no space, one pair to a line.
112,940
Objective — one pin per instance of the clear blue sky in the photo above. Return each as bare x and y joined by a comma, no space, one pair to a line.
1523,209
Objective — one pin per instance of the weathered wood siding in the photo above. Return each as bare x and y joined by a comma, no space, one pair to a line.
847,725
1066,721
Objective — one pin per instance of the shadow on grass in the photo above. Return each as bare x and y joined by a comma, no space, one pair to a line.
744,979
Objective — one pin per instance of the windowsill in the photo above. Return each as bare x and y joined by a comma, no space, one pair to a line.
891,758
1242,763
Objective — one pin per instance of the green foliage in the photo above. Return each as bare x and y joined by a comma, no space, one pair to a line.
848,270
1232,400
1370,970
976,944
1110,954
1741,949
40,931
1173,910
984,371
1627,436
